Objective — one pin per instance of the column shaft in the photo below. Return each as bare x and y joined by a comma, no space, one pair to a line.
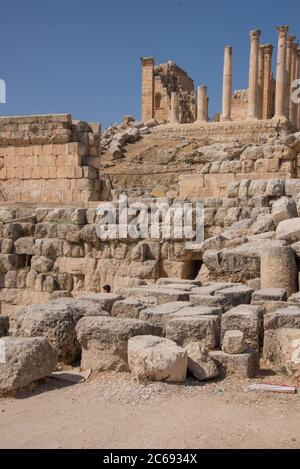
202,104
280,71
253,75
267,95
174,119
227,84
261,64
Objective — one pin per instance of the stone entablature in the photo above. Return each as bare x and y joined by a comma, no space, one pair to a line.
49,158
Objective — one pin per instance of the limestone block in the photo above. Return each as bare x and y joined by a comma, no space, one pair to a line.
24,360
234,342
292,187
275,188
283,209
282,338
41,264
236,295
128,308
156,359
289,230
158,315
269,294
24,246
46,230
210,301
104,300
249,320
163,295
50,248
200,364
244,365
56,322
104,341
167,281
204,329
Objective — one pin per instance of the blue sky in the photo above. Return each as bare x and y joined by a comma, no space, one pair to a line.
83,56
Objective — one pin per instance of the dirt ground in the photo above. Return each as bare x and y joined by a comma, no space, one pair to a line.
114,411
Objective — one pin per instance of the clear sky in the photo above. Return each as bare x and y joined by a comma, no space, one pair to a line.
83,56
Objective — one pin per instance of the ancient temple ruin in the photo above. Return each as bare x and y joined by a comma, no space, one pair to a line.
168,94
224,304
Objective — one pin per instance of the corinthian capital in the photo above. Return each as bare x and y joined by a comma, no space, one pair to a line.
282,31
255,34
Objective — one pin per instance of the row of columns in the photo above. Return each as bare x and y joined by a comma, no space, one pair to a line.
260,99
260,78
202,106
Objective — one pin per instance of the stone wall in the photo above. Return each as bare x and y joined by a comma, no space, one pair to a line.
49,159
52,252
274,159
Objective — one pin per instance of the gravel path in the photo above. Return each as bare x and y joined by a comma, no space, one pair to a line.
114,411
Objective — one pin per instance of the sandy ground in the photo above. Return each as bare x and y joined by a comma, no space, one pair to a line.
114,411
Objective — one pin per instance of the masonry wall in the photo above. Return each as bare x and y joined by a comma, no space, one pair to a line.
49,159
47,253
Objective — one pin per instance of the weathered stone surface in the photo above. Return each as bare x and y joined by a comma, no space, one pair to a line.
178,281
211,289
179,286
42,264
192,311
56,322
24,360
104,341
204,329
128,308
283,209
288,318
240,294
103,300
242,262
210,301
24,246
163,295
244,365
234,342
279,269
247,319
4,326
157,359
289,230
158,315
269,294
200,364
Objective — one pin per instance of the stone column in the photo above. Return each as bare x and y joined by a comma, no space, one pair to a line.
227,85
147,88
267,91
260,82
293,106
296,76
278,269
174,118
202,104
288,74
253,75
280,71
